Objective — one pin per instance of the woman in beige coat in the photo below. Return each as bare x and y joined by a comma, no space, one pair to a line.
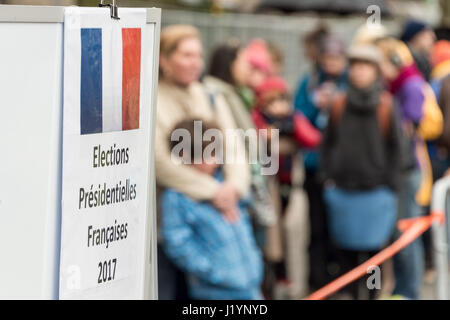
180,97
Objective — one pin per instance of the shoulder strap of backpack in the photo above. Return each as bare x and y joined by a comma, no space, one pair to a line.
337,108
384,111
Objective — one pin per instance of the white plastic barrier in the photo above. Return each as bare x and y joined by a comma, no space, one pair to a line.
439,235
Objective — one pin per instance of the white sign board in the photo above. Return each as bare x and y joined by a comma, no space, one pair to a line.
108,70
30,123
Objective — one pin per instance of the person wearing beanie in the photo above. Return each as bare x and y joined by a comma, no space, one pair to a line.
312,98
360,163
314,93
260,60
411,29
332,57
311,43
287,241
412,95
273,110
420,39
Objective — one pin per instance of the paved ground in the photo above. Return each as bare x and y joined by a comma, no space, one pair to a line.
428,286
428,292
428,289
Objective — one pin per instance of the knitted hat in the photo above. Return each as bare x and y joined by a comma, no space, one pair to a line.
365,52
270,88
441,52
331,44
411,29
258,56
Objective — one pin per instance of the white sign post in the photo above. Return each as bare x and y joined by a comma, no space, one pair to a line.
107,188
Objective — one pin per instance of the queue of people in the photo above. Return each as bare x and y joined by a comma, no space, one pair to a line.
357,145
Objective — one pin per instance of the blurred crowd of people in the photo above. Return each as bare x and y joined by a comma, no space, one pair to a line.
361,140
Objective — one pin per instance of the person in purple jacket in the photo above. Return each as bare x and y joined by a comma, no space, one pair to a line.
406,85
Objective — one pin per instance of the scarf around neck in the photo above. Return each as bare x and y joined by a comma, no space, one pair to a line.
405,74
364,100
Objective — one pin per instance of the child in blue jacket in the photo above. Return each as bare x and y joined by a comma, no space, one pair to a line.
218,254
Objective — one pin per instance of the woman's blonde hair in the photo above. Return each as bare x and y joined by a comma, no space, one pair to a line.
396,51
171,37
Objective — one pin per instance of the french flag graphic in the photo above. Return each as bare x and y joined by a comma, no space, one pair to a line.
110,94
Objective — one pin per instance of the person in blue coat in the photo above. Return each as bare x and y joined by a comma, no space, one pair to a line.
218,253
313,98
317,88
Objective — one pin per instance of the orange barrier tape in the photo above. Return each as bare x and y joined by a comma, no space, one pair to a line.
412,229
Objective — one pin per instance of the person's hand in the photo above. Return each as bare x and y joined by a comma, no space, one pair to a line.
319,98
226,198
231,215
324,95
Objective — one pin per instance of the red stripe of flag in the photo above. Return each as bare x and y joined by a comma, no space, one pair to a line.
131,77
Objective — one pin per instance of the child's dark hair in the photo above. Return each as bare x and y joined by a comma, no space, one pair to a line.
315,36
189,125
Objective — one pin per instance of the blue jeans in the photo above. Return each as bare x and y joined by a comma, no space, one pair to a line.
409,263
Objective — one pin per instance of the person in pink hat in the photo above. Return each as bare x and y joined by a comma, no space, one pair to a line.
287,241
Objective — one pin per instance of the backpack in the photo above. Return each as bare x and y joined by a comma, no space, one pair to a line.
384,111
430,128
432,122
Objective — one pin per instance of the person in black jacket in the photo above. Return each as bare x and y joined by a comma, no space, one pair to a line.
420,38
361,148
361,160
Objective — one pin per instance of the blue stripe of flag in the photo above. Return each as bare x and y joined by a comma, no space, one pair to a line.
91,81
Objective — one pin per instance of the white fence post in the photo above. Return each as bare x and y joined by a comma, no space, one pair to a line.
439,237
